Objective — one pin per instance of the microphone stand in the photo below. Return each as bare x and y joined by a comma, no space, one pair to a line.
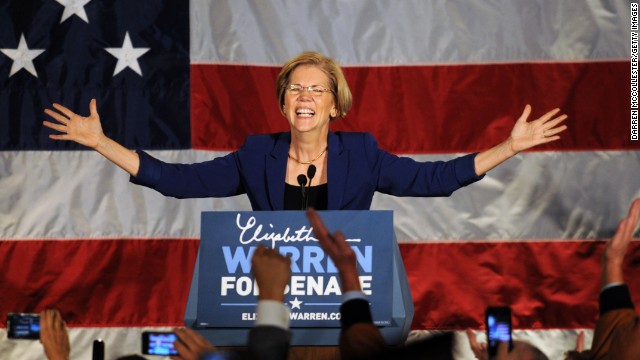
302,181
311,172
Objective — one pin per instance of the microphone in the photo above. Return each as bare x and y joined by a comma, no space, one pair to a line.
311,172
302,181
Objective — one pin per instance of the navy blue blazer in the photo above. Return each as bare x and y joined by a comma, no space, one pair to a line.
357,168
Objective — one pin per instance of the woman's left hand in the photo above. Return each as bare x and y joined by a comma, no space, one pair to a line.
526,135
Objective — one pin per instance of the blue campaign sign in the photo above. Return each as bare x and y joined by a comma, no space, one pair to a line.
227,292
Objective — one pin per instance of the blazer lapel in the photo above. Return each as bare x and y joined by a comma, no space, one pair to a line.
276,171
337,172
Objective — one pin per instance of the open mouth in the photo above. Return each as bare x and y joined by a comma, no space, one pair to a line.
305,112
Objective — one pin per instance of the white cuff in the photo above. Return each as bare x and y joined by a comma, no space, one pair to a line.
353,294
272,313
610,285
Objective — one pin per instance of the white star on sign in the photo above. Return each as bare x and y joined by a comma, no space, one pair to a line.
127,56
295,303
22,57
74,7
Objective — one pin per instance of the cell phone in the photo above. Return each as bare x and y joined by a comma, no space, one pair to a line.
158,343
98,350
23,326
498,323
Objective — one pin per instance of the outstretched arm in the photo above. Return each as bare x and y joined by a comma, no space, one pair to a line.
524,135
87,131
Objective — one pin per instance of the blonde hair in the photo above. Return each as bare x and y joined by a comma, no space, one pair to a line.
337,82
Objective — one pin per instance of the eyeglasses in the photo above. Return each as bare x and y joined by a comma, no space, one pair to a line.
314,90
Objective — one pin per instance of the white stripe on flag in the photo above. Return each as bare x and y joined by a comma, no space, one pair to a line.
546,195
362,32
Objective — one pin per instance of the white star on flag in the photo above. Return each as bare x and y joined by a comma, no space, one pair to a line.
127,56
74,7
295,303
22,57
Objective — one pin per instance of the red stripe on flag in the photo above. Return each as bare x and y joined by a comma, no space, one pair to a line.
99,282
428,109
550,284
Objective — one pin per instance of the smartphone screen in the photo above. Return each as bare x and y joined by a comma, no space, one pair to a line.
158,343
23,326
498,323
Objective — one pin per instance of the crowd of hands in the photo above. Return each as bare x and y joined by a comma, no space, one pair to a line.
272,272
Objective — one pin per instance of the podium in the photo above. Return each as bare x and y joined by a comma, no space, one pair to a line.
222,296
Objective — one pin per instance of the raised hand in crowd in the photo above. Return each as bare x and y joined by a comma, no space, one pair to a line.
359,338
579,353
54,336
616,248
520,351
335,245
270,337
191,345
617,333
272,272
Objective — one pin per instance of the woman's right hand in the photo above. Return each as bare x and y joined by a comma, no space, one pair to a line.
86,131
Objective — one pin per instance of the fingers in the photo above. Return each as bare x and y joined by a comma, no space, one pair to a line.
548,139
554,122
45,325
56,320
68,113
259,252
473,342
264,252
580,342
617,247
56,116
478,349
546,117
525,113
54,126
552,132
93,107
320,231
193,337
503,350
628,224
51,324
190,344
340,242
634,211
316,223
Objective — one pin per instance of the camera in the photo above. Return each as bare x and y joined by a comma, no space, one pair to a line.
23,326
498,324
158,343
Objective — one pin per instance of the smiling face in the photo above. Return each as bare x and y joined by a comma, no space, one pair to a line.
304,111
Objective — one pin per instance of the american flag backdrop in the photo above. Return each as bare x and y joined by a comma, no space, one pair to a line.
189,80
